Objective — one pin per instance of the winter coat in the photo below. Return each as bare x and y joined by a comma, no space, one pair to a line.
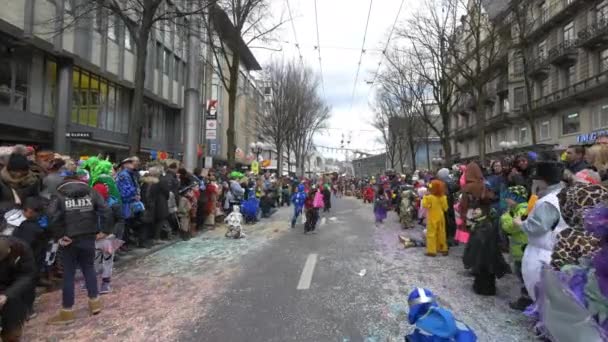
25,187
327,198
183,212
165,187
17,282
150,193
77,211
126,182
171,181
299,198
34,236
517,237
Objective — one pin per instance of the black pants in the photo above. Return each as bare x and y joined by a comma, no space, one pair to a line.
485,284
312,217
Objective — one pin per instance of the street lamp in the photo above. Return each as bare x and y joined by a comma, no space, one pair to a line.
257,148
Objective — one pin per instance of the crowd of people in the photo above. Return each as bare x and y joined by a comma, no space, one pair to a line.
58,215
546,213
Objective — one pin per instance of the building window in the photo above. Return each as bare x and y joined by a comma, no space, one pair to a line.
159,56
523,135
518,63
467,148
604,60
569,32
112,27
544,87
167,58
177,73
601,12
502,135
571,123
128,42
542,49
14,79
519,97
600,117
570,75
544,130
489,142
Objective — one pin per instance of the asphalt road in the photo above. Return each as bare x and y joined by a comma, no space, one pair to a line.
349,282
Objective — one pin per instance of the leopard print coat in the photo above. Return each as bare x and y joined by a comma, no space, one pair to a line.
574,243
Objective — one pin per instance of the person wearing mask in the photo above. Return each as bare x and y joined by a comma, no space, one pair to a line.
575,159
78,217
544,222
17,286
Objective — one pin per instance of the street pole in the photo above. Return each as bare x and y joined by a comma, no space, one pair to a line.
192,96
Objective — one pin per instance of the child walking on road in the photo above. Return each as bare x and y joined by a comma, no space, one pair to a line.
437,204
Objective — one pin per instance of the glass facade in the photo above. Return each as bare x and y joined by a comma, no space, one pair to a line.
97,102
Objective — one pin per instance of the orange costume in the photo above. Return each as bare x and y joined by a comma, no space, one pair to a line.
437,204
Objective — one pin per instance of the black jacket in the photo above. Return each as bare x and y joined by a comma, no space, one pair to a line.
31,233
578,166
17,277
78,210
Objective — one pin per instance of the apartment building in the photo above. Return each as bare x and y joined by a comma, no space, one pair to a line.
568,70
71,90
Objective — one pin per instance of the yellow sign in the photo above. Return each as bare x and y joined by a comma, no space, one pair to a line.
255,167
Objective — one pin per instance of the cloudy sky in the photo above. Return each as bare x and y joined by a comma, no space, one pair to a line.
341,31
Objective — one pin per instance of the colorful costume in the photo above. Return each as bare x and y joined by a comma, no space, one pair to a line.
407,208
434,323
102,173
298,200
129,190
380,207
234,220
437,204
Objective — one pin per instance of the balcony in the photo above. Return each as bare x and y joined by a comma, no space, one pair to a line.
564,54
594,36
553,15
501,120
588,89
539,67
465,132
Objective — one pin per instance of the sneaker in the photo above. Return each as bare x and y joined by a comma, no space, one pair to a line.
105,288
64,317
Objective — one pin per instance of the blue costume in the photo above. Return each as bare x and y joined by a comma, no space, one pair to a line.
250,208
433,323
129,189
298,200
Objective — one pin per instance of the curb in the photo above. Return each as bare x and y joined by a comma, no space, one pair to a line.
130,258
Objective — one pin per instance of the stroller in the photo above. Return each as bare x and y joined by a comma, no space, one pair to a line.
250,208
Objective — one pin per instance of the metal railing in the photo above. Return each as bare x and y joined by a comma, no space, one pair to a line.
551,12
564,48
573,90
593,30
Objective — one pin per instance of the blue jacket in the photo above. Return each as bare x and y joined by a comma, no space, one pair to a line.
129,189
439,325
299,197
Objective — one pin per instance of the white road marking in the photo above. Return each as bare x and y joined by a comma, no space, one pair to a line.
306,276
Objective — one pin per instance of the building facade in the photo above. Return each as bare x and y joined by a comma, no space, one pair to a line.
71,89
370,166
568,73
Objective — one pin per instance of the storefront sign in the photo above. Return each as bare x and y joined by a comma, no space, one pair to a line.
79,135
208,162
211,110
211,124
211,134
214,148
590,137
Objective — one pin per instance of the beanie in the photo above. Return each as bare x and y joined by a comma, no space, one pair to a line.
18,162
102,189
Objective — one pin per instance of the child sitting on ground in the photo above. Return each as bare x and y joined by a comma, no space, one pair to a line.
434,323
516,198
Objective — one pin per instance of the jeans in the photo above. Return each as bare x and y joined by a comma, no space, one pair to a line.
80,253
297,211
269,212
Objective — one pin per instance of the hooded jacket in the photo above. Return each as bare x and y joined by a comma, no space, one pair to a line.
27,186
439,325
78,211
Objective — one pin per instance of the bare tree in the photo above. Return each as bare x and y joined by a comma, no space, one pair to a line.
383,114
140,18
250,21
276,125
521,18
475,55
430,34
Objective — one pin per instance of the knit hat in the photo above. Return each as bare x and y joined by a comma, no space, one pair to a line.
18,162
102,189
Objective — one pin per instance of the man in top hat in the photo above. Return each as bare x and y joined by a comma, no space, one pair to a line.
544,221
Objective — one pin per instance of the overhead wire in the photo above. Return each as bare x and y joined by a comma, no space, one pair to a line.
369,12
318,48
295,35
390,35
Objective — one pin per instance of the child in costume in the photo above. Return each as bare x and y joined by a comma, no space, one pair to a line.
298,200
516,199
436,204
434,323
234,220
380,206
422,211
407,208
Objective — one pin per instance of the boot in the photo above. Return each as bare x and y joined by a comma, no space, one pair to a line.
95,306
64,317
521,304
